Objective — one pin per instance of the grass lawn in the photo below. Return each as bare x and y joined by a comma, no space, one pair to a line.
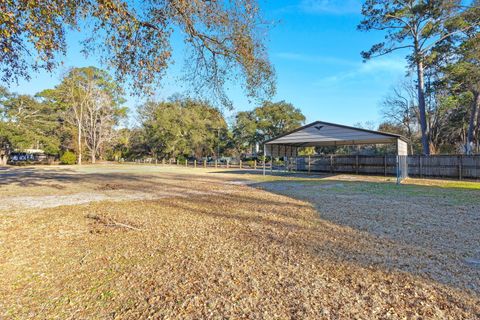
139,241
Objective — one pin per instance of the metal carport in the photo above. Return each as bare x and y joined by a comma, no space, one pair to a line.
320,133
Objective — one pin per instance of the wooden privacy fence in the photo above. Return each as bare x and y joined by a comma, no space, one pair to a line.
436,166
445,166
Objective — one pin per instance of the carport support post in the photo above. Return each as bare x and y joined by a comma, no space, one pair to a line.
309,164
356,163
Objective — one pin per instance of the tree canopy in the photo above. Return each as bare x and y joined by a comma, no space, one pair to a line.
181,127
264,122
225,40
28,122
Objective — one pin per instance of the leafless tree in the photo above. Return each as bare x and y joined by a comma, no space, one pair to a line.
78,95
98,122
399,107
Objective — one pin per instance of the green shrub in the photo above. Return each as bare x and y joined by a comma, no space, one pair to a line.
250,163
181,159
68,158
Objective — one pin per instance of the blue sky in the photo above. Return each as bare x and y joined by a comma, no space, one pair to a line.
315,48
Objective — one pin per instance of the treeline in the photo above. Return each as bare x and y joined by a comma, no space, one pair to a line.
188,128
84,118
81,119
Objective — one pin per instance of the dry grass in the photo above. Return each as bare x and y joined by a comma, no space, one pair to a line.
202,247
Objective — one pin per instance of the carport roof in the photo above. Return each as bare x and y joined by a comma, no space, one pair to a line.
320,133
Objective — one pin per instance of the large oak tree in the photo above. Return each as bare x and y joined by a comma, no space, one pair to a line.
264,122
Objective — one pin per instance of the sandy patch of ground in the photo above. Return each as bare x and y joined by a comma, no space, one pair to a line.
42,202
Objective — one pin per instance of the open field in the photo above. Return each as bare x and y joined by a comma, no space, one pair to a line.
133,242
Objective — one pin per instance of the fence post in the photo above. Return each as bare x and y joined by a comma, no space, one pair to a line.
385,165
240,164
460,160
421,166
309,165
356,163
477,176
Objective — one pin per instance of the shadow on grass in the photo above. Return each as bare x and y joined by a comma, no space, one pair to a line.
425,230
279,223
34,176
275,173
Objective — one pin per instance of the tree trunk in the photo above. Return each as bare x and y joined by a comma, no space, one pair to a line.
79,161
421,107
472,122
94,158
